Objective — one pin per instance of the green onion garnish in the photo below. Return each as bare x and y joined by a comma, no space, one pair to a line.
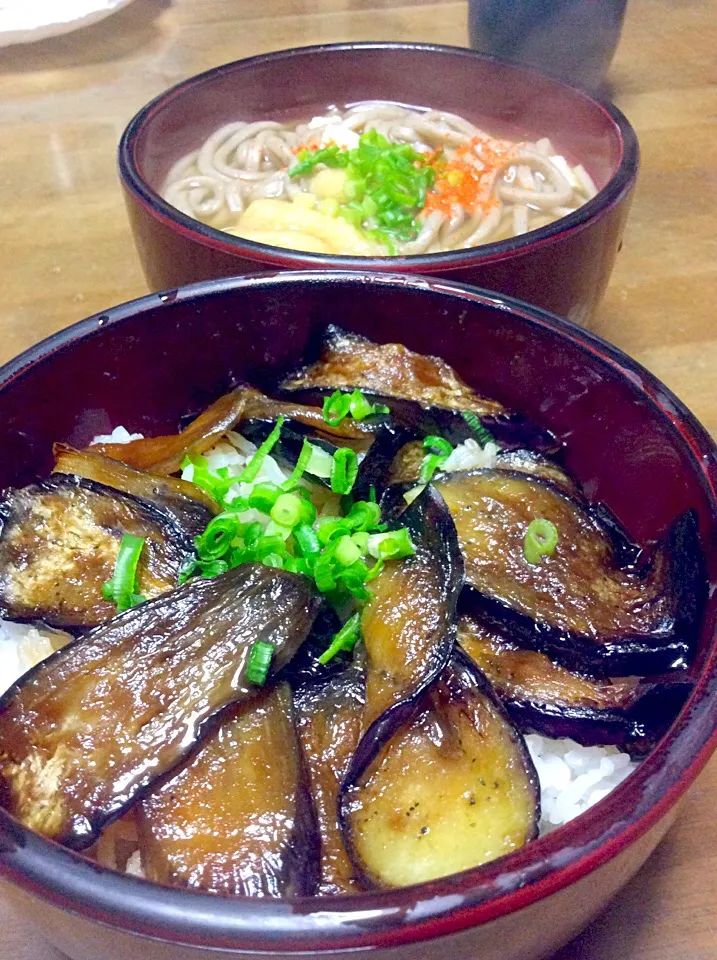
541,539
306,540
392,545
217,538
257,667
251,470
336,407
121,589
263,497
345,470
363,515
346,639
301,466
287,510
347,551
484,436
439,451
339,405
320,463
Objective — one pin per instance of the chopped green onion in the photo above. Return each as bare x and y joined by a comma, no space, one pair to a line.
392,545
360,538
218,536
331,156
252,533
347,552
331,528
121,589
336,407
413,494
274,529
212,568
251,470
345,640
484,436
375,570
273,560
360,408
541,539
287,510
320,463
363,515
263,497
257,667
301,466
324,573
306,540
439,451
345,470
307,511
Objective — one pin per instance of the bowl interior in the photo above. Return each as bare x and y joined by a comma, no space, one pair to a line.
147,365
503,99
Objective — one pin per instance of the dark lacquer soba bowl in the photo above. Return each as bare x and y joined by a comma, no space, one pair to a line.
563,266
630,443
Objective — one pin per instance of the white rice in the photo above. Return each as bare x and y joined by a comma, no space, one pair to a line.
572,777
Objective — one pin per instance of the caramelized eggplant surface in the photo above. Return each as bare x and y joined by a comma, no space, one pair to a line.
576,604
544,697
348,360
330,716
423,393
408,625
60,540
190,505
87,730
237,820
452,789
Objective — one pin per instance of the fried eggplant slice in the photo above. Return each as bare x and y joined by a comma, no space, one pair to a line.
408,625
59,543
87,730
452,789
188,502
544,697
237,820
422,392
164,455
348,360
330,715
578,605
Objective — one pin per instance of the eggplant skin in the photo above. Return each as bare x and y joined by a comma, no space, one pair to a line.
452,788
424,393
330,715
84,733
408,626
237,820
578,605
348,360
544,697
59,543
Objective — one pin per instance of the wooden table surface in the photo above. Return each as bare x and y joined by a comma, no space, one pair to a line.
66,252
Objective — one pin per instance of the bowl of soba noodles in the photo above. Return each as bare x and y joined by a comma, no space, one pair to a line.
377,616
383,156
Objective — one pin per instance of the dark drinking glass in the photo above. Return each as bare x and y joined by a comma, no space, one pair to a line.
573,39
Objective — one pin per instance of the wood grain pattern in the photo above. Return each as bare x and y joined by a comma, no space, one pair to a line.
66,252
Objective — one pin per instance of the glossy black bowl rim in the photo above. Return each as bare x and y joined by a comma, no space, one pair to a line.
423,912
614,190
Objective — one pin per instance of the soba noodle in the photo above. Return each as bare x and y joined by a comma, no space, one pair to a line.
244,180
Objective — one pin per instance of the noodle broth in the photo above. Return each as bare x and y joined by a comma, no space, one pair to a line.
374,179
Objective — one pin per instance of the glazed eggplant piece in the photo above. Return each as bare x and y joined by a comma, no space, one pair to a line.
86,731
330,716
451,789
190,504
408,625
578,605
164,455
423,393
544,697
60,539
238,819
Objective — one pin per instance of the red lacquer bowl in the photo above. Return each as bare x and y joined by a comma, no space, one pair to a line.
632,444
563,267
